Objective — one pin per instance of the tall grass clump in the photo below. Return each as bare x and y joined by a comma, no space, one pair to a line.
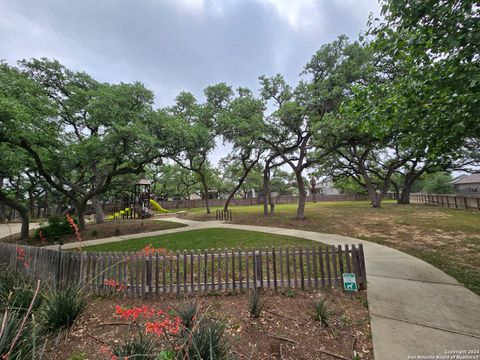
141,347
188,313
322,312
255,304
26,338
204,341
61,307
17,291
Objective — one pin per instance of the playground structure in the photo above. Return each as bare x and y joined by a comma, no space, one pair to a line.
140,204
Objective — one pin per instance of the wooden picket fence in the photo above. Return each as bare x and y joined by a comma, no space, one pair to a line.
202,271
449,201
221,214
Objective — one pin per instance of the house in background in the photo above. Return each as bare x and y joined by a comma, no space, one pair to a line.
467,183
325,187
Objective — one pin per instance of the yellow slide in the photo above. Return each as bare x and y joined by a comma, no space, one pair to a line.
157,207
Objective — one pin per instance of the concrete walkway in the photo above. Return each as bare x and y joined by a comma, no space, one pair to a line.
13,228
415,308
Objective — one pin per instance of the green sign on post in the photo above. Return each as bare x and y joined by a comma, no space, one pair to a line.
349,282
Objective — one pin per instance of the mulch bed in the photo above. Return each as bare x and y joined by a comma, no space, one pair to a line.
286,328
107,229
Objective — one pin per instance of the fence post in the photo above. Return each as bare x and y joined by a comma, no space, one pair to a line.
258,270
59,261
148,264
362,266
466,202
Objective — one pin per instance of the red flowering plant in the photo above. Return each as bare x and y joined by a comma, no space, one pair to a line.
159,322
42,237
150,250
74,227
115,285
22,258
151,323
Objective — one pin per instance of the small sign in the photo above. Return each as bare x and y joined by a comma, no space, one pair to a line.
349,282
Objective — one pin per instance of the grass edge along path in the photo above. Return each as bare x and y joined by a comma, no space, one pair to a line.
448,239
203,239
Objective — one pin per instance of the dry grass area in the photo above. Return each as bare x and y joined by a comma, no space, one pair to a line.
447,238
286,328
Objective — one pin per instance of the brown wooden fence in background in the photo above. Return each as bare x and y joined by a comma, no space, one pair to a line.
449,201
202,271
283,199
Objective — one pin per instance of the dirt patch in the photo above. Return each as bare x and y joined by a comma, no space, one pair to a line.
285,330
107,229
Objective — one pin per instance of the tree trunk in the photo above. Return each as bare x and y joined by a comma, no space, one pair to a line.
3,215
272,204
266,189
407,186
25,224
302,196
97,207
22,210
205,192
404,197
81,208
376,201
31,204
232,193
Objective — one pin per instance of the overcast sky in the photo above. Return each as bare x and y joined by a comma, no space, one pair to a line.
178,45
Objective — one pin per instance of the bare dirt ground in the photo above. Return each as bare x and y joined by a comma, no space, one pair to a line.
107,229
286,328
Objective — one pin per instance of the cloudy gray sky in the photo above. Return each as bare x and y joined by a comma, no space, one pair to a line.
178,45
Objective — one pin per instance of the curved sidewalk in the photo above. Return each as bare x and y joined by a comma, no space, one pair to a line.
415,308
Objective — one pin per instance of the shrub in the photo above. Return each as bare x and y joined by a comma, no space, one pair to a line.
61,308
26,345
117,231
322,312
255,303
187,314
57,226
16,291
94,232
205,341
140,347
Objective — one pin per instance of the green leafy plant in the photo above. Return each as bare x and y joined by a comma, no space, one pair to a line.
76,355
322,312
61,308
140,347
290,293
165,355
255,304
94,232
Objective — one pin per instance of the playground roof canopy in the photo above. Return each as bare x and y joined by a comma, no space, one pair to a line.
143,182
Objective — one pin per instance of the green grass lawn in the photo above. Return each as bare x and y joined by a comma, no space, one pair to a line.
204,239
449,239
